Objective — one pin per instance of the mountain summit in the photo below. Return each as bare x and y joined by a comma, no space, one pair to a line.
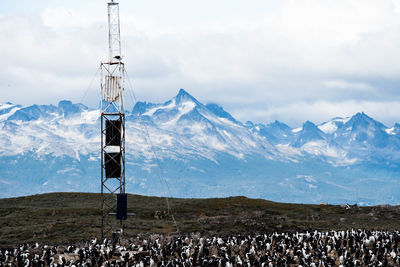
309,133
183,96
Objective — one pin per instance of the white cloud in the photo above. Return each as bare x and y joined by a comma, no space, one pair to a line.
348,85
282,55
60,18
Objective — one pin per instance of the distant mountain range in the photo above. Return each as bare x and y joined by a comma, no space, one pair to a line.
204,152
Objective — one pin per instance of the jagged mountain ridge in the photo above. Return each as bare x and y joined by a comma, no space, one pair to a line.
204,152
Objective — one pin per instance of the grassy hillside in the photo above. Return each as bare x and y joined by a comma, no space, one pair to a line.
69,217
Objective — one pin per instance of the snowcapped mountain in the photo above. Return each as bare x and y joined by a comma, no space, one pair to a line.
276,132
204,152
308,133
192,128
331,126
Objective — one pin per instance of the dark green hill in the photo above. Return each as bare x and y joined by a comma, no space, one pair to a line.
69,217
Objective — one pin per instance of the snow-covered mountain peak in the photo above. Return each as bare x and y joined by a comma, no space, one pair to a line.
33,112
184,96
362,131
275,132
181,104
308,125
309,132
331,126
279,125
362,121
187,111
67,108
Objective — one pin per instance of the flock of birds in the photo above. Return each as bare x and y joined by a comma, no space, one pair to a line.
332,248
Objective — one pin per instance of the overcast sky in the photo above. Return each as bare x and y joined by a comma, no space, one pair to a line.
287,60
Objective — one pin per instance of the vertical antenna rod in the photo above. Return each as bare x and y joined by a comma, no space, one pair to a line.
113,197
114,40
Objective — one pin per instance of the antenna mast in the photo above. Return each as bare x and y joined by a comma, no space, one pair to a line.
114,39
113,197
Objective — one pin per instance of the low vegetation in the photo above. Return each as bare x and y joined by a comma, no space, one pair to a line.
70,217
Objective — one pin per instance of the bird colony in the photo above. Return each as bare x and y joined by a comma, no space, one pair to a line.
331,248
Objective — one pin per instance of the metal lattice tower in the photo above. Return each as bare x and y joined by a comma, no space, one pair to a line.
113,213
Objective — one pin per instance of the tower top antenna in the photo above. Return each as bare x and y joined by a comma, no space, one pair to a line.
114,39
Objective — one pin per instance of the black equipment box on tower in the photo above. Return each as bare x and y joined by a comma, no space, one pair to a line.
113,165
121,206
113,132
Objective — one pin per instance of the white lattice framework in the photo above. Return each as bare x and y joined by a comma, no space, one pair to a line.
112,115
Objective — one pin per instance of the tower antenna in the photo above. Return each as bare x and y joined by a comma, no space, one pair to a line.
113,197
